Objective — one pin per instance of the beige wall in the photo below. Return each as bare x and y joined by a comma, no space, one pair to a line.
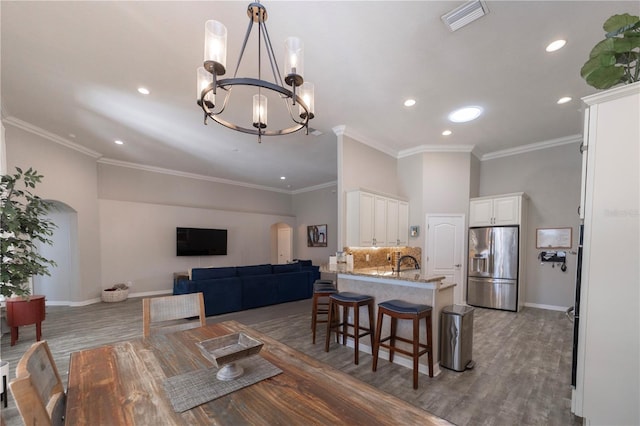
127,217
69,177
368,168
363,167
316,208
138,241
551,179
128,184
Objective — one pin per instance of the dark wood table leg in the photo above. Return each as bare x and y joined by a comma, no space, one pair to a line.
14,335
38,331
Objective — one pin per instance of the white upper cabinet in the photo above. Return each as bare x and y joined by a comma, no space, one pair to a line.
376,221
499,210
392,222
380,221
403,223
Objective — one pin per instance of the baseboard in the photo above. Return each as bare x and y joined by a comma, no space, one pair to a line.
547,307
98,300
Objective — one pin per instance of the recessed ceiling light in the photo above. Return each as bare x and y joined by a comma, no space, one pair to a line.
465,114
556,45
143,90
409,102
564,100
446,133
282,177
118,142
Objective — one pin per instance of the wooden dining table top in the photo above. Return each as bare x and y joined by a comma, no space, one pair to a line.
122,384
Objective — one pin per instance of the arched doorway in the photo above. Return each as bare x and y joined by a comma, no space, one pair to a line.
281,243
65,276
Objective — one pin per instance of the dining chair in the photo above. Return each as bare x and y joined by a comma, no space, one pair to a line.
161,315
37,388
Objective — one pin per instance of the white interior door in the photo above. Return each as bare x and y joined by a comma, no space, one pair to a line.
284,245
445,251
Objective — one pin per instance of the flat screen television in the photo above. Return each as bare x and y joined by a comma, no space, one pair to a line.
201,242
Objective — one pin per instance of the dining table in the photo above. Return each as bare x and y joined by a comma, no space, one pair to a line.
124,383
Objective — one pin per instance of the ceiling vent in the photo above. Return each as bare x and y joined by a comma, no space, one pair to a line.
465,14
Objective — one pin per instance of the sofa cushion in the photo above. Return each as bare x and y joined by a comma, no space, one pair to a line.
259,290
289,267
293,286
221,295
245,271
210,273
305,262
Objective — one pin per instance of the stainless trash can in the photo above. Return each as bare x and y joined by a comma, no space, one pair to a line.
456,337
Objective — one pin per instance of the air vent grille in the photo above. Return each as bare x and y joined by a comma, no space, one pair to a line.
465,14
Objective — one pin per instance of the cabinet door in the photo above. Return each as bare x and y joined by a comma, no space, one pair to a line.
380,221
392,222
481,212
367,214
506,211
403,223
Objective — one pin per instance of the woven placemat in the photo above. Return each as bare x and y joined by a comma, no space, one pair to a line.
189,390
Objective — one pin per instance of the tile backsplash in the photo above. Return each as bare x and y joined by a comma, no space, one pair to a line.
378,256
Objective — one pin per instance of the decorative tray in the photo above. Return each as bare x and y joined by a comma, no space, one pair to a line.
224,350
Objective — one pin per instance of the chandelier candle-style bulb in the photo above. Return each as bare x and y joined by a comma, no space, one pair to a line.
215,47
259,111
204,79
306,93
288,85
293,61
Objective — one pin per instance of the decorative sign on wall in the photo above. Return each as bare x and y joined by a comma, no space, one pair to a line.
554,238
317,236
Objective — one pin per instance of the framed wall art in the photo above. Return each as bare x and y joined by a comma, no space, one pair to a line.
317,235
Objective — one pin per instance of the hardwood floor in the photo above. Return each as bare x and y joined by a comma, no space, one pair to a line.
521,377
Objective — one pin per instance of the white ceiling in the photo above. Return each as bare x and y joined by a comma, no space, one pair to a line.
74,67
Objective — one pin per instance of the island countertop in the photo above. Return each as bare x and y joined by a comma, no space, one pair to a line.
385,274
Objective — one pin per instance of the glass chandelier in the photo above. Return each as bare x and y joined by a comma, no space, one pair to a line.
215,62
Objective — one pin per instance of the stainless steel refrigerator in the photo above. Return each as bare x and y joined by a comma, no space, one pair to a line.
492,278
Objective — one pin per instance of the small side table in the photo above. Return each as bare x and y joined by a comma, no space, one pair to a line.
25,311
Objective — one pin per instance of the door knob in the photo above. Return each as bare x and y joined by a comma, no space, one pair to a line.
458,265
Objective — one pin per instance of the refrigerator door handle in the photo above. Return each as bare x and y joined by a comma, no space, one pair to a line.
491,255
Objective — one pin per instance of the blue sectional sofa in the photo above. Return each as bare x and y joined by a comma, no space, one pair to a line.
236,288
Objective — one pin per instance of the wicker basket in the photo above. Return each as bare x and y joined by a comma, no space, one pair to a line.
115,295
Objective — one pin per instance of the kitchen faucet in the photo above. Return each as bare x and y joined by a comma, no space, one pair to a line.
407,256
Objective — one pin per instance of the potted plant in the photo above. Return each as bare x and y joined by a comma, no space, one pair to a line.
615,59
23,224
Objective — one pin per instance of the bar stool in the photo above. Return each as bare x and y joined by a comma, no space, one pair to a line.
322,289
349,300
399,309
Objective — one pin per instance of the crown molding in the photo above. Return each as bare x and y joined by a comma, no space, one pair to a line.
366,141
612,94
153,169
434,148
532,147
315,187
50,136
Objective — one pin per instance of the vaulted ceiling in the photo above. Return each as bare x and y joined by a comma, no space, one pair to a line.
71,70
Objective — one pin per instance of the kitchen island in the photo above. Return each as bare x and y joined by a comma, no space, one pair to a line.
409,285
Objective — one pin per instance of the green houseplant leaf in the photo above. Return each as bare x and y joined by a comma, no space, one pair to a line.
23,224
615,59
